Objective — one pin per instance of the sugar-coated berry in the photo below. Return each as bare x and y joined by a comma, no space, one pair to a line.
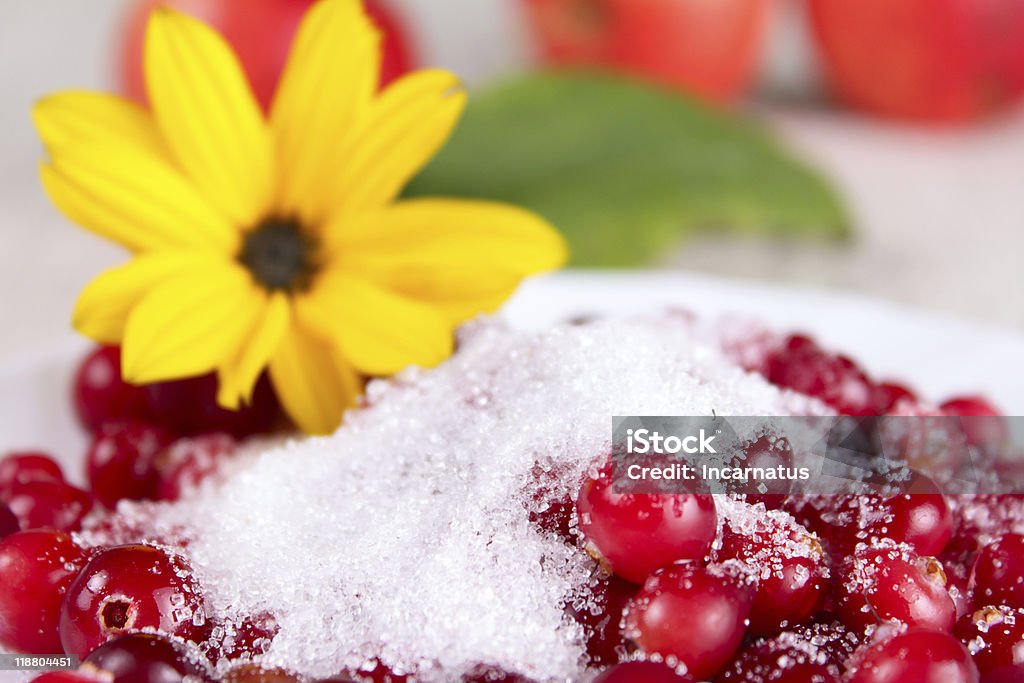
696,614
917,655
100,395
919,517
639,533
22,467
785,659
997,577
186,464
995,638
641,672
36,569
598,608
786,561
49,505
801,365
9,523
890,582
129,588
144,658
121,462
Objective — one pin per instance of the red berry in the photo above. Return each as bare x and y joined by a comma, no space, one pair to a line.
49,505
101,396
890,396
890,582
188,463
769,452
917,655
696,614
983,424
787,563
785,659
639,533
641,672
997,577
20,468
129,588
598,609
920,517
799,364
9,523
486,673
36,568
121,462
995,638
928,60
245,640
69,677
699,48
189,407
251,673
144,658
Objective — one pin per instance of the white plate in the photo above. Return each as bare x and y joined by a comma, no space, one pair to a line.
937,355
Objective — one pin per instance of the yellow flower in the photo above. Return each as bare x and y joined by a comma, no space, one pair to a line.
279,243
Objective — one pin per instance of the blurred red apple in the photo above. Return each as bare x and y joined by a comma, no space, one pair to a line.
931,60
706,47
261,32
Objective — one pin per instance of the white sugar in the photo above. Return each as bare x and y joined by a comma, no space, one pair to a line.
405,535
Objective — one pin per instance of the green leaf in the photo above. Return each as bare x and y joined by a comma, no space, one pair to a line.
626,170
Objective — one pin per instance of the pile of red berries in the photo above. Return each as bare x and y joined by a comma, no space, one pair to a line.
782,588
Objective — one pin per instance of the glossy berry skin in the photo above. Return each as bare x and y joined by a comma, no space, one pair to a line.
121,462
69,677
143,658
920,518
997,577
188,463
780,663
36,569
889,582
983,423
20,468
707,49
696,614
801,365
928,60
995,638
101,396
129,588
790,586
48,505
639,533
189,407
917,655
598,609
8,522
641,672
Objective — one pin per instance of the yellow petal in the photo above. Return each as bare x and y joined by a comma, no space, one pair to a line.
80,117
461,256
377,331
238,378
327,85
104,305
191,324
208,115
312,384
127,195
405,128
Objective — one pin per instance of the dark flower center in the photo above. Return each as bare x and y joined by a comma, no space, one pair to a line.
280,255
